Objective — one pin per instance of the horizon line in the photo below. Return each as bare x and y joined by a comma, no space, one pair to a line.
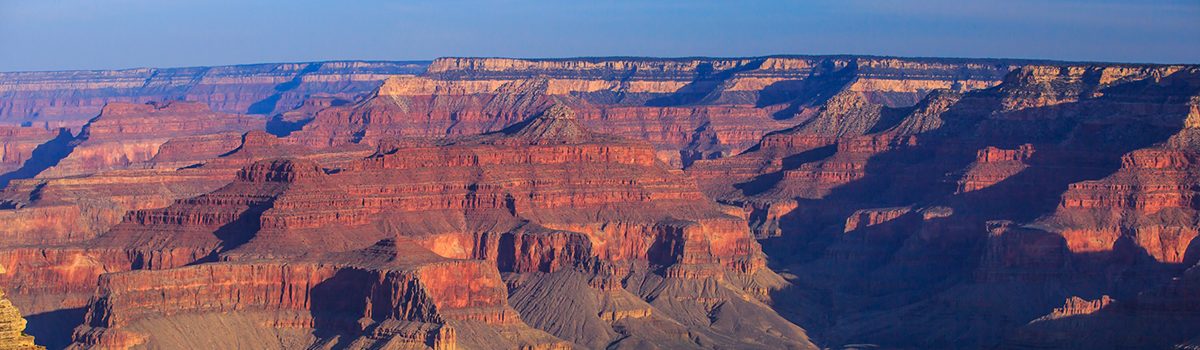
632,57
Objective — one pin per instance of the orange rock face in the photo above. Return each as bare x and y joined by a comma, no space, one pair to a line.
17,145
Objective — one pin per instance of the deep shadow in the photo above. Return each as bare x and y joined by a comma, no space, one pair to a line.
43,157
337,305
268,104
940,256
765,182
235,233
53,329
706,82
821,84
281,128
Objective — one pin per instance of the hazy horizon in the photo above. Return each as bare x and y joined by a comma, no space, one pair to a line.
121,34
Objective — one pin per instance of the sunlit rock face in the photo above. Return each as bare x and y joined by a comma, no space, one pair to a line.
12,327
504,214
770,202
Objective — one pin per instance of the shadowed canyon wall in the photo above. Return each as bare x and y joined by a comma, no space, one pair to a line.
69,98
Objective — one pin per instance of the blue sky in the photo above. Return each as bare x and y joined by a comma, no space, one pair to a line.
96,34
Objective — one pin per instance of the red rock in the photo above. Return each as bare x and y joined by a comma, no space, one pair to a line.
18,143
396,283
125,135
686,114
507,203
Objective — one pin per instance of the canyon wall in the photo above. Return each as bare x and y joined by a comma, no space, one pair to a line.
69,98
1059,183
689,108
769,202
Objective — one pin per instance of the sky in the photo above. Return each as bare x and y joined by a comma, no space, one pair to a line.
112,34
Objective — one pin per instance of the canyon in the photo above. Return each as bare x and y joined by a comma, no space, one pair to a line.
775,202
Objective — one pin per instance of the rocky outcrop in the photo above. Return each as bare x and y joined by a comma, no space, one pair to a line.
12,327
70,98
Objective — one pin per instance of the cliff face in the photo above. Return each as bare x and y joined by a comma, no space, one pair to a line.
69,98
128,135
687,108
542,200
1040,189
387,294
511,203
17,145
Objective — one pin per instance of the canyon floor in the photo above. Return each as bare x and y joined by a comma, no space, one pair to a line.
779,202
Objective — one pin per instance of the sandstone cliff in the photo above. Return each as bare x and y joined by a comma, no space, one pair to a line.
12,327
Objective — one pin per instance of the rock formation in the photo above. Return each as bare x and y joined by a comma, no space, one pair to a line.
12,328
124,135
542,200
70,98
687,108
19,143
609,203
1046,186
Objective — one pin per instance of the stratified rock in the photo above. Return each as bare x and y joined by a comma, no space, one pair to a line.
689,109
506,203
12,328
70,98
998,203
393,293
17,145
125,135
546,196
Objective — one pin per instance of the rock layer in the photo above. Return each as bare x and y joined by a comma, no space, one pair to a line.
687,108
70,98
1046,186
12,327
510,203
